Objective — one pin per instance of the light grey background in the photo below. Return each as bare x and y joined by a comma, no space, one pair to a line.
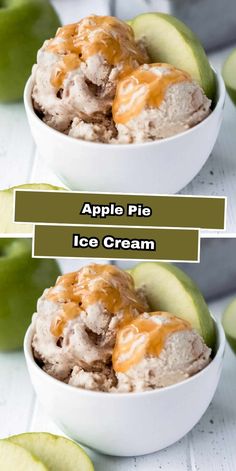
214,21
216,273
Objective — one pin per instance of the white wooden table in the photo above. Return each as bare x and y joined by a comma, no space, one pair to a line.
210,446
20,162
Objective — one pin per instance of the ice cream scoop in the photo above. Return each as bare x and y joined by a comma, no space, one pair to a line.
155,350
77,71
77,319
155,101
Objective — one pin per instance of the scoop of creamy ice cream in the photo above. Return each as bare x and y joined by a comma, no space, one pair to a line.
77,71
156,350
77,320
156,101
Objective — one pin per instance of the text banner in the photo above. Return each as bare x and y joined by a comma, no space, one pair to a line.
116,243
49,207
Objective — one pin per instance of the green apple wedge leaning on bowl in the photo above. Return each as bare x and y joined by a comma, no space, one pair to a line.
22,281
229,324
169,40
169,289
24,26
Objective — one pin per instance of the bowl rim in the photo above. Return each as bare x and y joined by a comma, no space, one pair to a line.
221,339
221,92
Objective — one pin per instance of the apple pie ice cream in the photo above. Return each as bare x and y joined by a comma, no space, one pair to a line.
156,350
93,330
93,81
76,74
156,101
77,320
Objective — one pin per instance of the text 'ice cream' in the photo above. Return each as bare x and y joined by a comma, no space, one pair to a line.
94,331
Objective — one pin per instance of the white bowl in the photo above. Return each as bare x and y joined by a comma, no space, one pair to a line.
127,424
163,166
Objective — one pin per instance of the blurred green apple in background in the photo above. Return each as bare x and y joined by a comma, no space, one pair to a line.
229,75
229,324
24,26
22,281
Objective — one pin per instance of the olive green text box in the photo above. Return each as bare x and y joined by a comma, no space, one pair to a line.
116,243
164,211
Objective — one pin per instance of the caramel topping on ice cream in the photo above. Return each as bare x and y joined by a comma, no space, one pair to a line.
104,35
144,336
103,284
144,87
68,63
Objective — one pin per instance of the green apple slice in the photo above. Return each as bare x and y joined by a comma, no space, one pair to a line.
229,324
169,40
15,458
7,226
169,289
229,75
57,453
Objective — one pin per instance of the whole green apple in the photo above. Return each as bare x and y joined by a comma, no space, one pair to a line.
229,324
229,75
24,25
22,281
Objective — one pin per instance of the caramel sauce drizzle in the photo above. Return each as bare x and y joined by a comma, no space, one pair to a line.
144,336
105,35
105,284
142,88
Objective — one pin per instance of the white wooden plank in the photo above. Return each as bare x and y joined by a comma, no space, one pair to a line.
213,438
16,394
41,173
16,145
40,422
174,458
